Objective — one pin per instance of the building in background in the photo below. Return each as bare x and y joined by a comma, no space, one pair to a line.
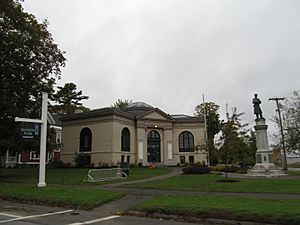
28,156
139,134
293,157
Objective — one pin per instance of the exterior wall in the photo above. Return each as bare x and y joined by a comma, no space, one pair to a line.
106,139
102,146
198,132
118,125
144,126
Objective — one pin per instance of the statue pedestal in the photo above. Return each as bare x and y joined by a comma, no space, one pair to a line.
264,164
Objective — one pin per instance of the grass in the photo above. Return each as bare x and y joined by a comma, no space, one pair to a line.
70,176
248,209
65,187
57,196
207,183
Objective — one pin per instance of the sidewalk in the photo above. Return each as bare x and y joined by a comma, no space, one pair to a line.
245,176
157,192
175,172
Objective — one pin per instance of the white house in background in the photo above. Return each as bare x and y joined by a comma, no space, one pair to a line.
293,157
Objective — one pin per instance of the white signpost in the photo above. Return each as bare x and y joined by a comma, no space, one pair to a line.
43,122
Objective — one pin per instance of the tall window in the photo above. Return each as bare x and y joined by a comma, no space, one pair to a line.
85,140
186,142
125,140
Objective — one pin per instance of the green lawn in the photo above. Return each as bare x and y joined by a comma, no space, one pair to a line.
208,183
57,196
70,176
249,209
65,187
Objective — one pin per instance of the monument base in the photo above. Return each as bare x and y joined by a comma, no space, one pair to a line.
265,170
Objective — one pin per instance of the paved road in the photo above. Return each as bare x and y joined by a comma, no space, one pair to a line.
25,214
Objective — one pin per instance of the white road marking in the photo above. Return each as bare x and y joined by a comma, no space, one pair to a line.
9,215
95,220
35,216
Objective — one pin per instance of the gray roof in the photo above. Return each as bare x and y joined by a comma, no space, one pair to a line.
96,113
138,108
139,105
133,111
186,118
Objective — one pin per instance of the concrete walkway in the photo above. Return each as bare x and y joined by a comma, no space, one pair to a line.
156,192
175,172
245,176
294,169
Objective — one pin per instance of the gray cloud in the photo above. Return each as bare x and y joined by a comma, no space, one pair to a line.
167,53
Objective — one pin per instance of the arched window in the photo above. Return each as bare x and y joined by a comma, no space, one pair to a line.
85,140
186,142
125,140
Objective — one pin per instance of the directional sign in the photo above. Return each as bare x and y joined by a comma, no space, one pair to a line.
30,131
43,137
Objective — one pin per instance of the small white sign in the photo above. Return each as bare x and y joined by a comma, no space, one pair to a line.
141,150
170,153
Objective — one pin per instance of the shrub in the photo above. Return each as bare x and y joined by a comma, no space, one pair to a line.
59,164
218,168
230,168
82,160
197,168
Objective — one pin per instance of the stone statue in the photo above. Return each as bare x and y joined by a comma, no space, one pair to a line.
257,110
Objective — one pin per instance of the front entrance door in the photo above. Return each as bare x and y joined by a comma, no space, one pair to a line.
153,146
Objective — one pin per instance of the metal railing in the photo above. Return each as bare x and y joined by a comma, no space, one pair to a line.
96,175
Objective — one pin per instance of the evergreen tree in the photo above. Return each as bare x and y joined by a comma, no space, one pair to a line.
68,99
121,104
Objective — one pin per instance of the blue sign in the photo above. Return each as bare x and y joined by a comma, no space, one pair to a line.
30,131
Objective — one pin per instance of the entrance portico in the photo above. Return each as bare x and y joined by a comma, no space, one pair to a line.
153,147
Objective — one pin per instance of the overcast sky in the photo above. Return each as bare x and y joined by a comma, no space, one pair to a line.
168,52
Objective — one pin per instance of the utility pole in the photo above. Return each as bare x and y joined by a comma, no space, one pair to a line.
281,130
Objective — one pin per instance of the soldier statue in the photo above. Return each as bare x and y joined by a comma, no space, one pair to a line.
257,110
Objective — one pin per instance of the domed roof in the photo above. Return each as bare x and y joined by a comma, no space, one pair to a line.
139,105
